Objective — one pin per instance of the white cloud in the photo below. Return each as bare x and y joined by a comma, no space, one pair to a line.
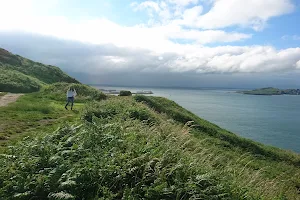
210,36
102,31
146,5
191,14
230,59
156,48
223,13
13,9
254,13
298,65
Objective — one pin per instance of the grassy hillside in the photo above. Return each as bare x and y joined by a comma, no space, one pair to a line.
19,74
138,148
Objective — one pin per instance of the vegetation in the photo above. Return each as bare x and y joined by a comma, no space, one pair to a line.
2,94
143,148
18,74
125,93
14,81
272,91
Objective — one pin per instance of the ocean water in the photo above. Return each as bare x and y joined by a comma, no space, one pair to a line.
271,120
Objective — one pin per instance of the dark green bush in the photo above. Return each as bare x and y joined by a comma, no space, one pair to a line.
112,108
100,110
16,82
125,93
142,114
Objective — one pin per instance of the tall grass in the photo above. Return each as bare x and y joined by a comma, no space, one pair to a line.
122,149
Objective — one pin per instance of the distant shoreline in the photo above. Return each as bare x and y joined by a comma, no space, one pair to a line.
105,91
271,91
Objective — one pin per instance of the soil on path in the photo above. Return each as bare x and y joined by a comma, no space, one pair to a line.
8,98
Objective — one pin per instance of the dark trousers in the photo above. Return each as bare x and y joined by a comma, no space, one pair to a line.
70,100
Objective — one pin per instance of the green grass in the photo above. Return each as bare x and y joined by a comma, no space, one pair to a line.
41,111
31,114
142,148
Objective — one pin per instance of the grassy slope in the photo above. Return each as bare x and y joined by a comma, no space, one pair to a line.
140,147
19,74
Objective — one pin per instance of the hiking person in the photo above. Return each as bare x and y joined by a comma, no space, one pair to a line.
71,93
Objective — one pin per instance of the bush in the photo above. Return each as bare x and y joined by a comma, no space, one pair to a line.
125,93
16,82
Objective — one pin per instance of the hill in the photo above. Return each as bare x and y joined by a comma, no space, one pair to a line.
19,74
136,147
272,91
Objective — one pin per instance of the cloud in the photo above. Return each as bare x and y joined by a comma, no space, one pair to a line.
298,65
96,59
103,31
228,13
97,46
223,13
146,5
206,37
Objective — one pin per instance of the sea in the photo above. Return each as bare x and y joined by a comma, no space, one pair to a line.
271,120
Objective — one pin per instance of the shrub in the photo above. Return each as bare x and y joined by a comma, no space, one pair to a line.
125,93
16,82
115,107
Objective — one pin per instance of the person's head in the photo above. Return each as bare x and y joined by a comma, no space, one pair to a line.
71,89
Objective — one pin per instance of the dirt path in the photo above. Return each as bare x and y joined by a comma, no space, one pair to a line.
8,98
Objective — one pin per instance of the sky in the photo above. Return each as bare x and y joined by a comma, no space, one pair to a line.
171,43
